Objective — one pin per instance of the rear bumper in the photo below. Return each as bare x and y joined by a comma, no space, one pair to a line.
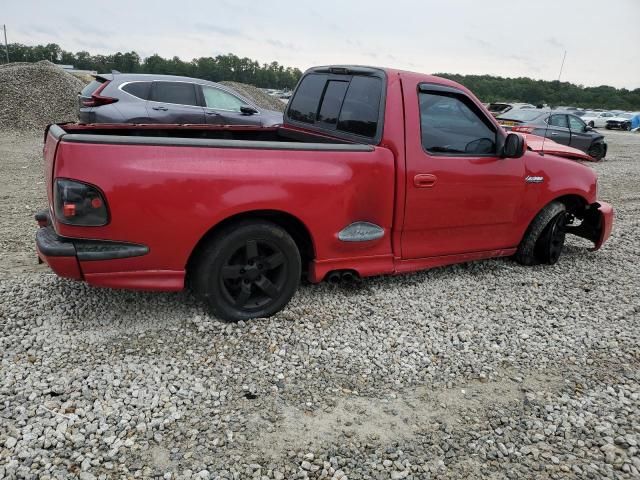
50,244
66,257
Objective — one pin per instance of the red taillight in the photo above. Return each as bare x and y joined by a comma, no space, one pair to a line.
516,128
78,203
95,100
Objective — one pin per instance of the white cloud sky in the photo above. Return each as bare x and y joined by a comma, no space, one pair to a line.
500,37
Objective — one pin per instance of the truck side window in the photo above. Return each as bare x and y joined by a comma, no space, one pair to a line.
450,124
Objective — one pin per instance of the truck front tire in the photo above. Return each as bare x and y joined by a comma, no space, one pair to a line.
544,239
249,269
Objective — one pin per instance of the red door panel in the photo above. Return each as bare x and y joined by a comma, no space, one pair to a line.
456,203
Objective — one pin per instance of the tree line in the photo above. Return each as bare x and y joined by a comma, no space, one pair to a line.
554,93
221,67
273,75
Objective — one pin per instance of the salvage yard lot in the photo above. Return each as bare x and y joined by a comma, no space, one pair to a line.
482,370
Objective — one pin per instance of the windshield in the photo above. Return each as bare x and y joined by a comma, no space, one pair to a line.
521,115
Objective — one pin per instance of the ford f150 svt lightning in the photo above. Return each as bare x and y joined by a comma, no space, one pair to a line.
374,171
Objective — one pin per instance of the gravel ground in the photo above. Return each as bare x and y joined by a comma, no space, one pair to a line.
484,370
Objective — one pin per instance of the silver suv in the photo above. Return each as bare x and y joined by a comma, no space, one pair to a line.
141,98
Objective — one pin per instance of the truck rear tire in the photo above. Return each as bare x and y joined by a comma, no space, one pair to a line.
250,269
544,239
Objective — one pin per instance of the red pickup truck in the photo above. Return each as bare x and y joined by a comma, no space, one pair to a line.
374,171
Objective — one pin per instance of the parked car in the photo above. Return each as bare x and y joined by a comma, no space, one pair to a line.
561,127
624,121
140,98
498,108
374,171
596,119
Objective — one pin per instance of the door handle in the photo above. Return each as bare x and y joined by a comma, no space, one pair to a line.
164,109
424,180
554,134
213,113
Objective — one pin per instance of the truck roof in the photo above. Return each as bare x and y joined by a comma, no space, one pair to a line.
389,72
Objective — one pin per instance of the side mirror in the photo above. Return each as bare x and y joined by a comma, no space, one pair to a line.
588,128
247,110
514,146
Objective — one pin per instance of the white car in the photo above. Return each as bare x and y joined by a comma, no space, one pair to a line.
597,119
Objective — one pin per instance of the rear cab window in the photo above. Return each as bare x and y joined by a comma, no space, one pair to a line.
345,102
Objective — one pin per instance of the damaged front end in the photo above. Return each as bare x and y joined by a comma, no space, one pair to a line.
596,222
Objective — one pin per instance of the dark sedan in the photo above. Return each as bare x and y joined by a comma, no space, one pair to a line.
139,98
561,127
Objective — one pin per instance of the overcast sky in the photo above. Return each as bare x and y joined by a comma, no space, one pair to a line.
500,37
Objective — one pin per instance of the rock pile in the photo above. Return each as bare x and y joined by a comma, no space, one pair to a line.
260,98
33,95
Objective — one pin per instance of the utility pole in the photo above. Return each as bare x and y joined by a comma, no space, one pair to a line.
6,45
562,65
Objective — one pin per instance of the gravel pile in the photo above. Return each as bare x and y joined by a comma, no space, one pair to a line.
484,370
260,98
33,95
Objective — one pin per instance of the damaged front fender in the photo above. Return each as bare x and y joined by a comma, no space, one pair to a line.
597,223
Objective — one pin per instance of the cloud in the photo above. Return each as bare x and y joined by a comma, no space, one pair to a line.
44,30
82,27
480,41
96,44
554,42
280,44
226,31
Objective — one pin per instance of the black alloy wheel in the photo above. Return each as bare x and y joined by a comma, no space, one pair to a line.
254,274
249,269
551,242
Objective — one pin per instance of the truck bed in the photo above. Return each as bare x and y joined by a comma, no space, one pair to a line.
166,187
235,136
